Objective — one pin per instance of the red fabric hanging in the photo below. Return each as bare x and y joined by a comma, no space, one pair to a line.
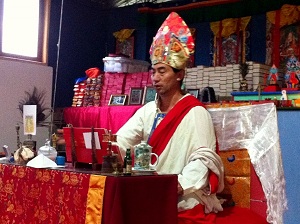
276,36
220,56
237,49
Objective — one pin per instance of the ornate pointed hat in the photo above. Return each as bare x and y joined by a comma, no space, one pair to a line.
173,43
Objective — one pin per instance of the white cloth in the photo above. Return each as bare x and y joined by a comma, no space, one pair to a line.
189,153
255,128
41,161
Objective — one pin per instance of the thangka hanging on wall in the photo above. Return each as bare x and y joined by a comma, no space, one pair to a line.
269,43
229,41
229,48
289,42
125,42
282,35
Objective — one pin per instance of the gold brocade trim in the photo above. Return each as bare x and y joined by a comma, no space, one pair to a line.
123,34
229,26
215,50
215,27
289,14
244,47
95,199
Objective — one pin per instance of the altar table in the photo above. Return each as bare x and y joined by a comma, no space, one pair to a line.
30,195
108,117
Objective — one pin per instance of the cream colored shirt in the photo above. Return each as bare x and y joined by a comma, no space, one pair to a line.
190,153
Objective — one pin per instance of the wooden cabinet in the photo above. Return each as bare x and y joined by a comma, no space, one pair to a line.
237,176
241,182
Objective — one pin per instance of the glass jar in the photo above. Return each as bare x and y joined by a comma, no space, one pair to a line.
48,151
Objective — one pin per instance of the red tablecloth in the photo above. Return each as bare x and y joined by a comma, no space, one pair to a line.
30,195
140,199
109,117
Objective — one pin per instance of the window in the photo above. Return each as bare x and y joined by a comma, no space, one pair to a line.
24,29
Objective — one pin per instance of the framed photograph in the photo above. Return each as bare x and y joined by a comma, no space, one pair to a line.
149,94
194,92
136,96
117,100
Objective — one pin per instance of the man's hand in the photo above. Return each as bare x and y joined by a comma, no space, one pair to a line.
179,189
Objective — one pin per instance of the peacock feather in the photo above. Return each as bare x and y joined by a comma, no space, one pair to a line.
37,98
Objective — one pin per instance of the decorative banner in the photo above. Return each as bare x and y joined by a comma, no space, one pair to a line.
29,119
125,42
123,34
289,14
282,35
229,40
289,43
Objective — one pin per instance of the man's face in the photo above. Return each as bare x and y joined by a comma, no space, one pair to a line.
164,79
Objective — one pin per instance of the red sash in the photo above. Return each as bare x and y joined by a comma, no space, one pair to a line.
165,130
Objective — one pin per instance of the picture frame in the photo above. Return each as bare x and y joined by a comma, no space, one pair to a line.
149,94
194,92
136,96
117,100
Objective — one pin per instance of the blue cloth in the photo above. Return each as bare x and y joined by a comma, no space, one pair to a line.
79,80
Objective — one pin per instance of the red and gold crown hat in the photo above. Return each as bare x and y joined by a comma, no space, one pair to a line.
173,43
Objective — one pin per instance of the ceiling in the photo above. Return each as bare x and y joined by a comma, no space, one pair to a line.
158,4
123,3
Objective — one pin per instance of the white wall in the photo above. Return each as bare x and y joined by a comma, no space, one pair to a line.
16,77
